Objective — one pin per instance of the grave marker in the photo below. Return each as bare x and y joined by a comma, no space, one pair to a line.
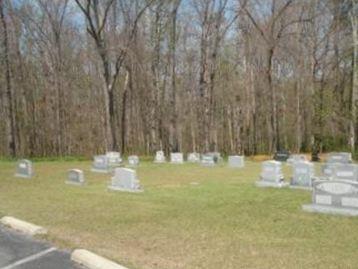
193,157
216,155
114,158
236,161
125,179
345,172
100,164
281,155
208,160
334,197
334,159
271,175
75,177
296,158
176,158
24,169
159,157
133,160
303,175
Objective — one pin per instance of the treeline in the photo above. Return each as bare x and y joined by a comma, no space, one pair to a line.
237,76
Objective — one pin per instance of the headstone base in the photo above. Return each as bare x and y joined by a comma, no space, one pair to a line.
265,184
315,208
111,188
74,183
100,171
300,187
208,165
23,176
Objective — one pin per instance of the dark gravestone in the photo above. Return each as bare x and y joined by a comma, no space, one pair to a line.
281,155
315,157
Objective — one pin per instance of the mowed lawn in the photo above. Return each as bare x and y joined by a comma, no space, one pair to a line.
188,217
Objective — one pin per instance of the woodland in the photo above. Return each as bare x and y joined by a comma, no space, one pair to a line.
236,76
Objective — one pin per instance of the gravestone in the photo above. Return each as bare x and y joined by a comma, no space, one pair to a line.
114,158
159,157
133,160
75,177
216,156
281,155
125,179
296,158
334,197
332,160
176,158
271,175
345,172
315,156
303,175
339,157
193,157
24,169
236,161
100,164
207,160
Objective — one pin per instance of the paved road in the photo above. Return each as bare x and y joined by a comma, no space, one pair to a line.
18,251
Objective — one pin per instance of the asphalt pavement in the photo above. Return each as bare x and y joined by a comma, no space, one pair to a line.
18,251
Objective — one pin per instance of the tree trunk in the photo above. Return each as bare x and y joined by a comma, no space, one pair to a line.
9,90
354,93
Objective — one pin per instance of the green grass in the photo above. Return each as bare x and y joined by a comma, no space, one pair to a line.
224,221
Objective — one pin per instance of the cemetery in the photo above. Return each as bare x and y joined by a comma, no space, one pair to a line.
178,134
128,207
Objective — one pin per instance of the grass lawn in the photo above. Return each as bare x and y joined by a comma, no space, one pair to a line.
224,221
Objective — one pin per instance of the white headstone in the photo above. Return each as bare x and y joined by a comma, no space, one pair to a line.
114,158
24,169
159,157
75,177
207,160
236,161
193,157
100,164
176,158
296,158
125,179
340,157
133,160
216,155
271,175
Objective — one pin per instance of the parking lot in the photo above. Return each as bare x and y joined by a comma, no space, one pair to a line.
18,251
